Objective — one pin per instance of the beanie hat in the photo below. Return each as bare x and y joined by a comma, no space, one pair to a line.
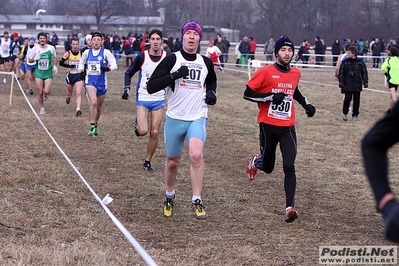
32,38
191,25
283,41
15,34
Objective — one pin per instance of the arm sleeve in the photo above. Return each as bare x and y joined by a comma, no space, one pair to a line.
63,64
111,60
254,96
259,80
161,78
54,52
63,59
83,61
133,69
300,98
211,80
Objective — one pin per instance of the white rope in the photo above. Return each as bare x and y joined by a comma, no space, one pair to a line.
302,80
118,224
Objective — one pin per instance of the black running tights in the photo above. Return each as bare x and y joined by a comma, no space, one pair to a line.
383,135
270,136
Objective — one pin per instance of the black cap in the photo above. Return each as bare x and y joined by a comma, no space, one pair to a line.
96,34
283,41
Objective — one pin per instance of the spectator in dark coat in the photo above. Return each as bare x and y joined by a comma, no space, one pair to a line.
352,74
318,50
376,51
335,51
244,49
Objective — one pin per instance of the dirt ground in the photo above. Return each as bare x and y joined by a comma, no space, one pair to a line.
48,216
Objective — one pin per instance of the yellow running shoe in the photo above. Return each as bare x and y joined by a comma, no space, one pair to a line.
198,209
168,207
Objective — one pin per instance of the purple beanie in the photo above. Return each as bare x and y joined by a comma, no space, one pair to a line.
191,25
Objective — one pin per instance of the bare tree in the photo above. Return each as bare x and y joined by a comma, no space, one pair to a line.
102,10
278,17
258,18
388,16
60,7
5,7
26,7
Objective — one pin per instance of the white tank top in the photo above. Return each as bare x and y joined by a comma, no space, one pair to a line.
5,48
187,102
145,73
30,55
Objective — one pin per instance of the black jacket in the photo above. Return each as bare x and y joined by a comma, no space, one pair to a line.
244,48
336,48
352,74
318,49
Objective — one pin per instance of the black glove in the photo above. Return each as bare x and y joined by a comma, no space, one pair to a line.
278,98
210,97
126,93
180,73
310,110
82,75
105,69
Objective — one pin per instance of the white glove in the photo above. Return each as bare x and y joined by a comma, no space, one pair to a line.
55,69
36,57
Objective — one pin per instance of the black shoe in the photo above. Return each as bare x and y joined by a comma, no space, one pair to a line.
391,220
147,166
135,128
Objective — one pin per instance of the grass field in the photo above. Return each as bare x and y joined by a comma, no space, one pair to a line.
49,217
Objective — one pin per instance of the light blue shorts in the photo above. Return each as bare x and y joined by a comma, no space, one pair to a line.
176,130
151,106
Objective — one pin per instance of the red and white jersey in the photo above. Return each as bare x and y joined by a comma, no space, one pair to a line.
272,79
213,50
187,100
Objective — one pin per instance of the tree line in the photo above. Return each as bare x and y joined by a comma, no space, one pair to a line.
299,19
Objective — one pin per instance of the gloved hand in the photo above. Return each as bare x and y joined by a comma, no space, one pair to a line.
278,98
180,73
310,110
210,98
36,57
82,75
105,69
126,93
55,70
